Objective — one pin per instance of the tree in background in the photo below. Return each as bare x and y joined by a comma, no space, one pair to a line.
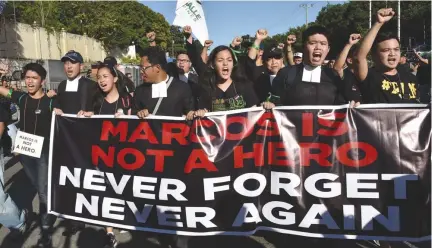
115,24
179,41
341,20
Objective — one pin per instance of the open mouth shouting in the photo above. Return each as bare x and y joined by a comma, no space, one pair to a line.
316,56
103,86
225,71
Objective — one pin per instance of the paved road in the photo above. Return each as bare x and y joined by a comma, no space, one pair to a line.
22,192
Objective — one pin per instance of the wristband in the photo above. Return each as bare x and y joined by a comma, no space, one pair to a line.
255,46
9,93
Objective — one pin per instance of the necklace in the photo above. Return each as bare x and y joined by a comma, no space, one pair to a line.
37,112
115,110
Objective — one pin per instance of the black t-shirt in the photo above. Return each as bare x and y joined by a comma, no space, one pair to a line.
350,79
35,115
179,100
236,96
380,88
424,75
107,108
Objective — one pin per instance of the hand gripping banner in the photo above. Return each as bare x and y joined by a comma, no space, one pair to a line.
319,171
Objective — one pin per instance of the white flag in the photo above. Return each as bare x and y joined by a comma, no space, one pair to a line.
191,13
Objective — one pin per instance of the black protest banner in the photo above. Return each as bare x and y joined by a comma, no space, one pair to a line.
318,172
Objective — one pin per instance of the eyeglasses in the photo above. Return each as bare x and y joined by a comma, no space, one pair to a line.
143,69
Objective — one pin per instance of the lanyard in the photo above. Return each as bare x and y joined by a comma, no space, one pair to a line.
37,112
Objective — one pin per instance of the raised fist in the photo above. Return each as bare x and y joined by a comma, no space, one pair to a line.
237,41
208,43
281,46
354,39
291,39
261,34
385,15
187,31
151,36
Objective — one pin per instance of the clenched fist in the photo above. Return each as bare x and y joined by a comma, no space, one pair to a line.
237,41
385,15
261,34
291,39
354,39
187,30
208,43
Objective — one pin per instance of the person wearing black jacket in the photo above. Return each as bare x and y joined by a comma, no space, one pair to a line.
310,83
160,94
76,92
112,98
73,95
263,76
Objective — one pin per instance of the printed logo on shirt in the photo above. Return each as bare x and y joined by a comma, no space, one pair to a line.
393,88
228,104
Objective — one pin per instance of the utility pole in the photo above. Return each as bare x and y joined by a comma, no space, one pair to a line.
306,7
172,48
398,20
370,14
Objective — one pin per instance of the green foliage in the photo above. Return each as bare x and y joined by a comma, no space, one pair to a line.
341,20
130,60
115,24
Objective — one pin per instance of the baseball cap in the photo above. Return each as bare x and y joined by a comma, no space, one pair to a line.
273,52
74,56
299,55
110,60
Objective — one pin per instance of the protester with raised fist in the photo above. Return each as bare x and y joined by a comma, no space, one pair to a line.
253,69
273,61
160,94
291,39
346,56
383,83
225,87
204,53
310,83
36,112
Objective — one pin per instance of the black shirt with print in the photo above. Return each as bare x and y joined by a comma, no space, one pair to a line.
179,100
380,88
35,115
236,96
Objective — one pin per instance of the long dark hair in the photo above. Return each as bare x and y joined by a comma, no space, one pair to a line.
209,78
120,85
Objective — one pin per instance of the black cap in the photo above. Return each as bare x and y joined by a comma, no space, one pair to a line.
110,60
273,52
74,56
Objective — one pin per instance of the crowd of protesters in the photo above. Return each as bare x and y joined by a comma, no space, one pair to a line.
226,79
